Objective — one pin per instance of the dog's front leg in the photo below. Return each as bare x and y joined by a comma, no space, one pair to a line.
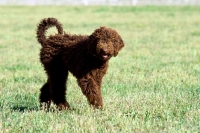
91,88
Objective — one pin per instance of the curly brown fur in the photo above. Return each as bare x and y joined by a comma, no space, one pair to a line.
86,57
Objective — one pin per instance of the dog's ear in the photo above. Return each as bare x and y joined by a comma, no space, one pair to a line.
119,44
93,40
91,45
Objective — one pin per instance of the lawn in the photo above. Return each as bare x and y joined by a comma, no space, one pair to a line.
153,85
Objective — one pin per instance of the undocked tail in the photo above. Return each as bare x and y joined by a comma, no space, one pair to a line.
43,27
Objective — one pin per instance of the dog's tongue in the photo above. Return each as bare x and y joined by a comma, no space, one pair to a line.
104,56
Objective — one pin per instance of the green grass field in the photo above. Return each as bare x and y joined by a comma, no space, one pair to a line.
153,85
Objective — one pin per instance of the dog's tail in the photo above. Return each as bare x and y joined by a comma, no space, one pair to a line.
44,25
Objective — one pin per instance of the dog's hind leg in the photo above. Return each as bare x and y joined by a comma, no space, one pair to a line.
44,98
57,74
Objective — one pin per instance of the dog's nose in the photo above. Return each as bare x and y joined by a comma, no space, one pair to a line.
104,51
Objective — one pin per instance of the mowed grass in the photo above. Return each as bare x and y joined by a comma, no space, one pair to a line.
153,85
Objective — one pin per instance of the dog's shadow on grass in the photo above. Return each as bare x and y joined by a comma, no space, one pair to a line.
36,108
24,108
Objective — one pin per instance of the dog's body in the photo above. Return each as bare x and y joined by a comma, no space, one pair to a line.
86,57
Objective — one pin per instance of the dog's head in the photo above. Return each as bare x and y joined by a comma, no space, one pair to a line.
105,43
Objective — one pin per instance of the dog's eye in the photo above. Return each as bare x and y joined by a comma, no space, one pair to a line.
103,41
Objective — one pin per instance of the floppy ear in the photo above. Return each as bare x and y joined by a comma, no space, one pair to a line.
91,45
119,45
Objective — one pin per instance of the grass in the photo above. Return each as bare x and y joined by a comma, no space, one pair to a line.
153,85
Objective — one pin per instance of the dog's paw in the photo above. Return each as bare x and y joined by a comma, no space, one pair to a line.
64,106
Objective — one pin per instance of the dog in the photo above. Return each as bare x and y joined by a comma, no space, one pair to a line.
85,56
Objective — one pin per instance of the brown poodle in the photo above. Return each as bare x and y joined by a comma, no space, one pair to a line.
86,57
